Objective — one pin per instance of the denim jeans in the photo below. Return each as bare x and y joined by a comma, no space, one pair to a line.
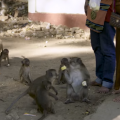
104,49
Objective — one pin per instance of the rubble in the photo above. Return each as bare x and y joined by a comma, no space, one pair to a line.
17,24
25,28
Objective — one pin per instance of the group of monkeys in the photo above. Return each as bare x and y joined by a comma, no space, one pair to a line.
72,72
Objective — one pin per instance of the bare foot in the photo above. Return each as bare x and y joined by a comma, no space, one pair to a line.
117,99
116,91
103,90
94,83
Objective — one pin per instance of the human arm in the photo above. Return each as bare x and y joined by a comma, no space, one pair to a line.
85,6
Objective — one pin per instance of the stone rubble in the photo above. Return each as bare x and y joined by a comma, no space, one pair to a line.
16,24
23,28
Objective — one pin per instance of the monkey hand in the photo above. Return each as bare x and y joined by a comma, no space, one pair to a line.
63,68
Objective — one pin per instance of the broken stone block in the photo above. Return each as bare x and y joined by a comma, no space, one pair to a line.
78,31
20,18
67,30
22,34
9,31
40,33
61,27
2,34
52,31
3,18
59,32
29,33
74,28
59,36
24,29
25,18
77,35
47,33
68,34
45,25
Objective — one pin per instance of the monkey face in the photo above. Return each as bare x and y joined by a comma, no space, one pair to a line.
75,61
46,84
51,73
25,62
5,51
65,62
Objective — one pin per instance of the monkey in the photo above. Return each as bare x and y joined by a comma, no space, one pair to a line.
24,72
61,77
53,72
5,55
77,78
1,46
39,91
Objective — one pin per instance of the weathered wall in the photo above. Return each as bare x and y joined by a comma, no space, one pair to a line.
23,0
65,12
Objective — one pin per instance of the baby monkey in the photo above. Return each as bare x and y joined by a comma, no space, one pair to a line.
39,90
5,56
24,72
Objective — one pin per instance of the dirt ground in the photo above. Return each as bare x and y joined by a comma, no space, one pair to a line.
44,53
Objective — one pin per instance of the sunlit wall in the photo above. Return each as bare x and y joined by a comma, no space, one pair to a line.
56,6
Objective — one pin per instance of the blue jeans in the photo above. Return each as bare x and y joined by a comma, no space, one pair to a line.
104,49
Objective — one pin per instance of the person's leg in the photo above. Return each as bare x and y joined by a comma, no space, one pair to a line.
108,51
95,43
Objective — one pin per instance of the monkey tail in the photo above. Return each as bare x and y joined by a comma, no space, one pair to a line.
20,96
23,57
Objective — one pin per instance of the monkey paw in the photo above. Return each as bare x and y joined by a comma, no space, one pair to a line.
86,100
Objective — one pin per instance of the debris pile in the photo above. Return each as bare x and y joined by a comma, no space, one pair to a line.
23,28
14,22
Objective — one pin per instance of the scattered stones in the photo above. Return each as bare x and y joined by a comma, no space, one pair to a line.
25,28
3,18
17,24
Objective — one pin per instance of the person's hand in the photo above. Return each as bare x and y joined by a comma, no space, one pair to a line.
86,6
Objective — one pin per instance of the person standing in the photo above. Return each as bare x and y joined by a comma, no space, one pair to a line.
102,37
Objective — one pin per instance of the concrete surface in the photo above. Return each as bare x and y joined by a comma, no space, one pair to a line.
108,110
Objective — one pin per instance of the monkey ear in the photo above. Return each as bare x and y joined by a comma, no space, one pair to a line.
23,62
48,73
61,61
